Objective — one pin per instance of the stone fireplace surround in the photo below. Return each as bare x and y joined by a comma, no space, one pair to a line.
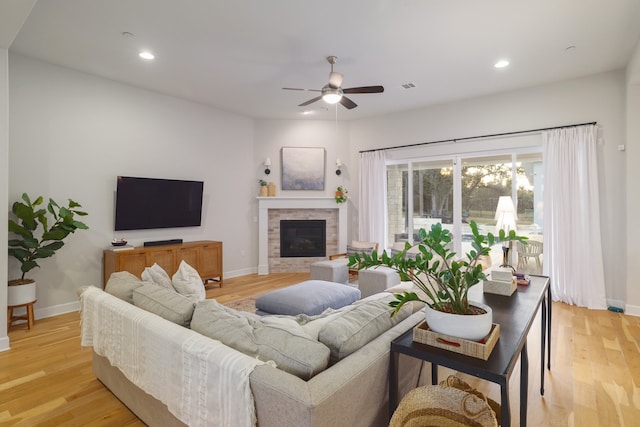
272,209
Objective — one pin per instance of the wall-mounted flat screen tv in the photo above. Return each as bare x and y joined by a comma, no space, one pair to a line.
145,203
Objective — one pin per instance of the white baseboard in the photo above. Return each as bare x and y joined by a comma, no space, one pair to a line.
632,310
54,310
4,344
241,272
615,303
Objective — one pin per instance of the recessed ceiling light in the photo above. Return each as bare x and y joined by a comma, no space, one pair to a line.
502,63
145,54
307,112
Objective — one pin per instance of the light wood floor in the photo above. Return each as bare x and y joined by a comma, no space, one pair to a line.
46,378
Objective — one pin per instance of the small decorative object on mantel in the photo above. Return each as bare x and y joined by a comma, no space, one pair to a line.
341,194
264,191
271,189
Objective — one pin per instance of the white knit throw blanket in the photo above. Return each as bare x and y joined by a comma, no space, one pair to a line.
202,381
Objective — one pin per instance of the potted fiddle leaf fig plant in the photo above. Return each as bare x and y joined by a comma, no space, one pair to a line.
442,279
38,232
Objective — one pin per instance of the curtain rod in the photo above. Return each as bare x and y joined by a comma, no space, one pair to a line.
477,137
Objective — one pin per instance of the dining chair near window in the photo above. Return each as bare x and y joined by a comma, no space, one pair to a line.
533,249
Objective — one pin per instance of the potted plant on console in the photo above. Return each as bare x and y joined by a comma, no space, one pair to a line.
443,280
31,244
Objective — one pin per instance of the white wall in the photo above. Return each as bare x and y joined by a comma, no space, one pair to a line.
72,133
272,135
4,180
633,177
598,98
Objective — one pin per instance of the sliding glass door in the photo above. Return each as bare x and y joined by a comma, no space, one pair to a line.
430,185
457,189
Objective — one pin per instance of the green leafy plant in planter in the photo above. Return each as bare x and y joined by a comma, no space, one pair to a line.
341,194
29,244
443,279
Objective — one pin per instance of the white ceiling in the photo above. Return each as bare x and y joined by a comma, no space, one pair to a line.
237,55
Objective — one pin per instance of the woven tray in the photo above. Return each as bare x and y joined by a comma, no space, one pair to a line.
480,350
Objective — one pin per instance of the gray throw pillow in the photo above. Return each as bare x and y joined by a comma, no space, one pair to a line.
352,250
166,303
355,328
289,347
409,255
121,284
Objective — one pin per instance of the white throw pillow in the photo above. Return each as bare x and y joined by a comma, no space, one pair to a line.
157,275
188,282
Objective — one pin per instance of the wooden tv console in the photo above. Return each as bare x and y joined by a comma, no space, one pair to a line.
205,256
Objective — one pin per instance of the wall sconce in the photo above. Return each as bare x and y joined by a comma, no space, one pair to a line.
338,166
267,163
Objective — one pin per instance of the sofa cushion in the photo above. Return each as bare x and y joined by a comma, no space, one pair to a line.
187,282
157,275
165,303
287,345
359,325
121,284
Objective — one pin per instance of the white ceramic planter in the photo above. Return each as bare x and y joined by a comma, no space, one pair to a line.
471,327
21,294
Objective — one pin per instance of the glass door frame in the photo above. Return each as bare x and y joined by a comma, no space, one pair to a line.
457,160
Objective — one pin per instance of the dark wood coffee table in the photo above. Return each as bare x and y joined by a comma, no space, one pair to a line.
515,315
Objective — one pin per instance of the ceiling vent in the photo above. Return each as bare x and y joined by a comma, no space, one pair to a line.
408,85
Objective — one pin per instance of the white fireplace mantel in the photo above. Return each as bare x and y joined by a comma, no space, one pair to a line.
266,203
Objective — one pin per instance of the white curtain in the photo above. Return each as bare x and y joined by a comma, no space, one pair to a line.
373,198
573,248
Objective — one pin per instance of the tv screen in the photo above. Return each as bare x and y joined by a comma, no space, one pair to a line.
145,203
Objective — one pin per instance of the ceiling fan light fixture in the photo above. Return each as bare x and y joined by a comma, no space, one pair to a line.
331,95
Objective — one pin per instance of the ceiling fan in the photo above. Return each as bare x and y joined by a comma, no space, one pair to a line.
332,93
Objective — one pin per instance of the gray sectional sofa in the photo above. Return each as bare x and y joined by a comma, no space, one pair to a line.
329,370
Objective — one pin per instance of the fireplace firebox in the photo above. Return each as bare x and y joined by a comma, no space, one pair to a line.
303,238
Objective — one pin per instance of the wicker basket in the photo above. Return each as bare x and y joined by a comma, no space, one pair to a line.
480,350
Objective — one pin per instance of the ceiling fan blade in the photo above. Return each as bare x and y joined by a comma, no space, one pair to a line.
311,101
335,79
347,103
306,90
364,89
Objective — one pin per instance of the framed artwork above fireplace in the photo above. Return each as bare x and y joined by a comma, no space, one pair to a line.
303,168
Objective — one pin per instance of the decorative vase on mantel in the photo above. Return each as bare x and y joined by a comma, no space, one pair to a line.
263,188
271,189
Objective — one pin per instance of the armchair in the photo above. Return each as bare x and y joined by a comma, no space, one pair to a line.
353,248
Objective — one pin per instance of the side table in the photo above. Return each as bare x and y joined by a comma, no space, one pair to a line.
515,314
